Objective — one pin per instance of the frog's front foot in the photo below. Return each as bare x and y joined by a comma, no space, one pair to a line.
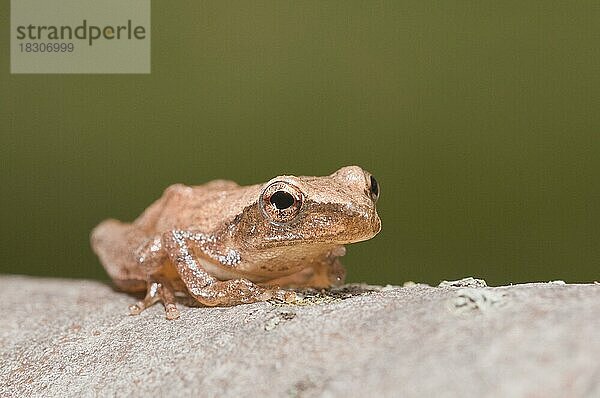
157,291
240,291
288,296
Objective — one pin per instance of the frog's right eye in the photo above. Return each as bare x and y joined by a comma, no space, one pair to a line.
373,188
280,202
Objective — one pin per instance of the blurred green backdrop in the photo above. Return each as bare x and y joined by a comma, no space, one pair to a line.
480,119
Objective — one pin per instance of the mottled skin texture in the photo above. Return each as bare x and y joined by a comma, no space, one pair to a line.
224,244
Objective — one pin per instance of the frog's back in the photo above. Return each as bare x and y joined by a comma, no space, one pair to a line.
203,208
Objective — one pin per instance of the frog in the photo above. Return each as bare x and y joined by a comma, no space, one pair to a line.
222,244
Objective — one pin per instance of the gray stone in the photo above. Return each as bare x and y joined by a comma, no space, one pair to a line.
464,282
74,338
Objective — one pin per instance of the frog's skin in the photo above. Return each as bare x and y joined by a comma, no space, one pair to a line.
225,244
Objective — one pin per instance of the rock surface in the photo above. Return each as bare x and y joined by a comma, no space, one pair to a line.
74,338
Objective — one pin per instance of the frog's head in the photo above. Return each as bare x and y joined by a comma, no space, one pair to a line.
306,211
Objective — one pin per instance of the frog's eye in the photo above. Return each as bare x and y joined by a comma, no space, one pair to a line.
373,188
280,202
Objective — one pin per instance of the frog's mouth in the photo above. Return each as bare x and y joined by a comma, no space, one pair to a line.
367,232
358,226
319,233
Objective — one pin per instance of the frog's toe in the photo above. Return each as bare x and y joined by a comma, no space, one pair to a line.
157,291
136,309
139,307
171,311
288,296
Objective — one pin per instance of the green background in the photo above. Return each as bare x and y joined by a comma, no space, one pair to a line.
480,119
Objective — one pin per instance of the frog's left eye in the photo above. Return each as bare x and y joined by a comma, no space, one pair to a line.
281,202
373,188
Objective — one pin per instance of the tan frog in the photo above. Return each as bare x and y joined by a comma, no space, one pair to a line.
225,244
